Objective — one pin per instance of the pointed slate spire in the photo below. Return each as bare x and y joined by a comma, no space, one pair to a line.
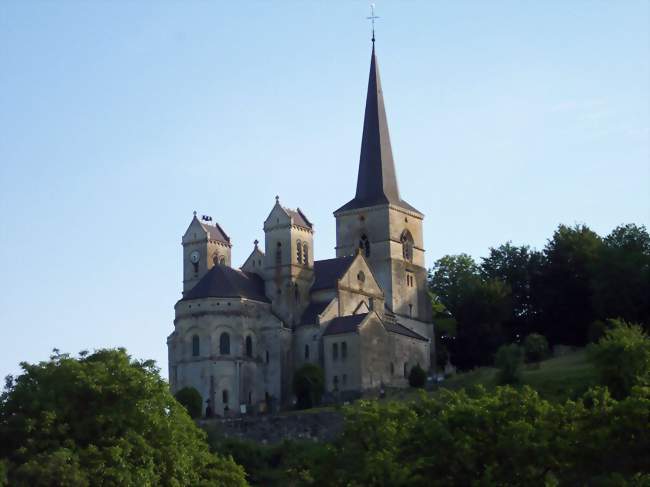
376,181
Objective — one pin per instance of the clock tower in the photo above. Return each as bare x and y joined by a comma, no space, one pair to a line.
204,246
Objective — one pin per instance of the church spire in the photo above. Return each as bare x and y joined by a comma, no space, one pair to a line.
376,180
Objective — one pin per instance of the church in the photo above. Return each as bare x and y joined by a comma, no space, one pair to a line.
364,316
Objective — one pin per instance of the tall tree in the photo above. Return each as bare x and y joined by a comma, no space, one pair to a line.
622,281
563,288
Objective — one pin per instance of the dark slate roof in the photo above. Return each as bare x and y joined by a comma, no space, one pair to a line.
345,324
402,330
299,218
215,232
376,181
327,272
311,313
225,282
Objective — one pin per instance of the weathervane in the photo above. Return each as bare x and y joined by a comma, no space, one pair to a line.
372,20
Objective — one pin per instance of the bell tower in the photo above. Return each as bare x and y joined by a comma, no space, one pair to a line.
377,220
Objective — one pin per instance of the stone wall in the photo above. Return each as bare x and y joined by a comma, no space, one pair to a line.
314,426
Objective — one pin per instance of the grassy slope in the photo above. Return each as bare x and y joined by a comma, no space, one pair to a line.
558,378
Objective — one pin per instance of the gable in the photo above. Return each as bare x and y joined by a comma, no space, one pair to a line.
254,262
278,216
195,231
359,278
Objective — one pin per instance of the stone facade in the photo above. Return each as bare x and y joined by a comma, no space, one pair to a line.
364,316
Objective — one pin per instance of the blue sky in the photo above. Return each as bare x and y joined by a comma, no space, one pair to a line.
118,119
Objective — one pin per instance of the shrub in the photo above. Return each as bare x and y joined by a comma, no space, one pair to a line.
622,358
308,385
508,360
191,400
535,347
417,376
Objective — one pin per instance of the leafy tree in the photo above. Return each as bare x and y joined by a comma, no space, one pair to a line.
308,385
622,358
535,347
102,419
478,307
622,281
417,376
191,400
563,288
508,360
516,267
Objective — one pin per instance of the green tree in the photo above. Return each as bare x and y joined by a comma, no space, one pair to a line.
191,400
622,280
102,419
563,289
308,385
622,358
508,360
417,376
535,347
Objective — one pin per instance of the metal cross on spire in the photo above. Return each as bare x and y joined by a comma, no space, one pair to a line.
372,20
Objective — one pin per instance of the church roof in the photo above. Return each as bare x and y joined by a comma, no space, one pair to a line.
215,232
310,315
298,217
345,324
402,330
377,180
327,272
225,282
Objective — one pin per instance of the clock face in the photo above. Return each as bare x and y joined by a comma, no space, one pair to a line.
195,257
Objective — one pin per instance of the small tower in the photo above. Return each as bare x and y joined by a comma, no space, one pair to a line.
288,261
204,246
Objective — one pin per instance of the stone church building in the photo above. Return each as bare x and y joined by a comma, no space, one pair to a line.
364,316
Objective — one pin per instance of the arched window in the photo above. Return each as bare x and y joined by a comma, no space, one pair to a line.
335,351
196,346
249,346
344,350
222,260
215,259
307,352
406,370
299,252
224,344
278,254
392,369
224,396
364,245
407,245
305,254
296,293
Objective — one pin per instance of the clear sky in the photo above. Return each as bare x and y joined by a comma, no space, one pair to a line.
119,118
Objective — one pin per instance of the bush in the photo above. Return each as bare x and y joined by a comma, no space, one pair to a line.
417,376
191,400
308,386
102,419
508,360
622,358
535,348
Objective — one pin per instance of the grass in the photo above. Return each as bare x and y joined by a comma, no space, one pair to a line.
557,379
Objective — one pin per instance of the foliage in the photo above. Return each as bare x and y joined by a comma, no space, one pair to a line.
191,400
102,419
622,358
508,360
417,376
308,385
535,347
509,437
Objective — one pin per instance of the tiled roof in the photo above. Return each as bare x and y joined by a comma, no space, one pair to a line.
345,324
311,313
215,232
299,218
224,282
402,330
327,272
